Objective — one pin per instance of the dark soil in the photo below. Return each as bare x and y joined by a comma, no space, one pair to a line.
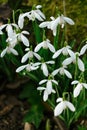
12,111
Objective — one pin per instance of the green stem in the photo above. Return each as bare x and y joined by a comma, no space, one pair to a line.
56,38
37,32
48,125
50,102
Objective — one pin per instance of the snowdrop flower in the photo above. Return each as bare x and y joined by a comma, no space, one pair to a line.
83,50
61,20
63,104
65,51
46,92
29,55
32,15
48,89
62,70
36,14
49,24
9,28
28,67
44,66
9,49
48,84
12,39
75,59
22,38
78,87
46,45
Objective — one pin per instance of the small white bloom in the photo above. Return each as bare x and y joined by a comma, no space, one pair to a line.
28,67
45,93
48,84
12,39
62,70
36,14
48,89
78,87
9,28
44,67
32,15
21,37
65,51
46,45
9,49
61,20
29,55
75,59
63,104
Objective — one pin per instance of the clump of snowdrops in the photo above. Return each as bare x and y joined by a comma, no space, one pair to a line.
58,70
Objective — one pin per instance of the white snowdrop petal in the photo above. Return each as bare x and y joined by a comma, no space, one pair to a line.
50,62
25,32
83,50
37,56
67,61
81,65
34,67
21,21
71,53
21,68
55,82
15,25
59,100
44,24
38,47
24,40
42,81
37,64
53,91
67,74
9,30
70,106
69,21
13,51
51,47
41,88
38,6
37,16
85,85
25,57
4,52
58,109
45,96
55,72
57,53
49,87
54,31
74,82
41,14
44,69
77,90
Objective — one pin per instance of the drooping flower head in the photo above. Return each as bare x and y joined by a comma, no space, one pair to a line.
62,105
78,87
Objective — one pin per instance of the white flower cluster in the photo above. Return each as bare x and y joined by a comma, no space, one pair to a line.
47,85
